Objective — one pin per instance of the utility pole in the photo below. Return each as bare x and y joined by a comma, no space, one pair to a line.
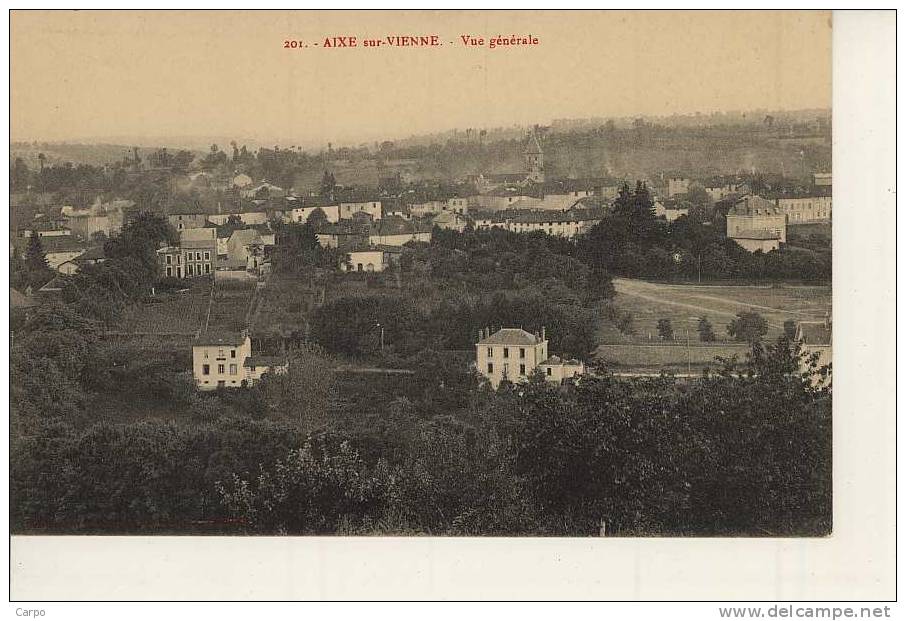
688,354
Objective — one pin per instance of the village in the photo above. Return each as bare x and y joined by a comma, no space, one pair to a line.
230,236
392,296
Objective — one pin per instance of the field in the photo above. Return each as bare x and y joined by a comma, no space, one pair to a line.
168,313
683,305
186,312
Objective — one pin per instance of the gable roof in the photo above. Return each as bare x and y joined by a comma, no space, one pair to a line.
748,204
216,337
511,336
814,333
264,361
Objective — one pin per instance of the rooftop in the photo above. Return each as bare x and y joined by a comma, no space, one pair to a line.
752,204
814,332
511,336
264,361
220,338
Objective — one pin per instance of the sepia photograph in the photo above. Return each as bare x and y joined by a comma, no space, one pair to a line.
457,274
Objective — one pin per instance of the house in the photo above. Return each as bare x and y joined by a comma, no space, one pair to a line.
397,232
92,256
301,214
756,223
670,209
815,337
187,217
551,202
450,220
194,256
45,229
805,208
375,259
343,235
719,188
59,250
678,185
502,198
567,224
106,218
224,360
563,224
372,208
510,353
556,370
428,208
245,249
457,204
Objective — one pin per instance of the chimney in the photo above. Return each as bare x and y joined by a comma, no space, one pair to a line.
543,337
480,337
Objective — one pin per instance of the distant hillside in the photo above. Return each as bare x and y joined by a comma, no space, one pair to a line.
59,153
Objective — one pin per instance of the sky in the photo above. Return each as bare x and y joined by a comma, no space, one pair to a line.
80,76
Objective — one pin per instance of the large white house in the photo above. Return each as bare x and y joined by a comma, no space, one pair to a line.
513,354
756,224
224,360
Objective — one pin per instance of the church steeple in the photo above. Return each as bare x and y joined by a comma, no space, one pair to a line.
534,159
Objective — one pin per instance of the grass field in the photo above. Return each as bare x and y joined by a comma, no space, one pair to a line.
683,305
168,313
186,312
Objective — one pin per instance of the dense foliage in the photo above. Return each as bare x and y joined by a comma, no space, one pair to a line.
743,451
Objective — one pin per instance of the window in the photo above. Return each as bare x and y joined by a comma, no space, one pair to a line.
207,256
490,367
490,352
521,369
232,353
548,371
234,370
169,259
206,369
178,259
506,352
522,352
169,270
189,270
220,368
220,353
207,268
198,256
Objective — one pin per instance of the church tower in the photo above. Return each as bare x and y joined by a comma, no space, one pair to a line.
534,159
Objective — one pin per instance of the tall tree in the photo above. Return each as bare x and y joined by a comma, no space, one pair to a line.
35,259
748,327
705,330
